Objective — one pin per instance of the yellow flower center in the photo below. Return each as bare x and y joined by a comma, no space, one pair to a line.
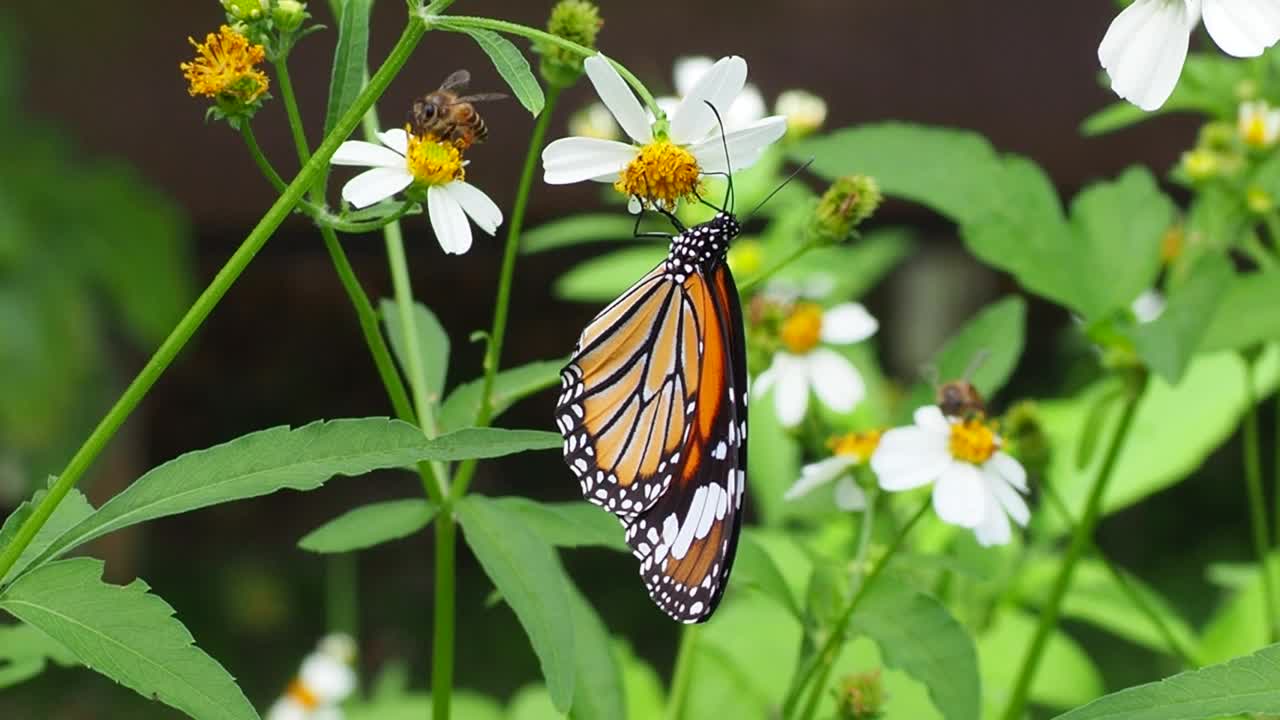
973,441
432,162
1254,130
802,329
662,172
225,67
858,446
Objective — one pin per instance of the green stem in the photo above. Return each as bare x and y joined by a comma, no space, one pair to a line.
819,666
680,677
1080,540
463,23
290,102
1276,466
342,597
497,334
755,282
209,299
443,622
1257,509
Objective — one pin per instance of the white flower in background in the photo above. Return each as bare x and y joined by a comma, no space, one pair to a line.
849,451
408,160
665,167
324,681
1146,45
746,109
1258,124
977,486
803,364
1148,306
594,121
804,111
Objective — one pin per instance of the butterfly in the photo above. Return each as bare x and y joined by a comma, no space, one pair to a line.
653,410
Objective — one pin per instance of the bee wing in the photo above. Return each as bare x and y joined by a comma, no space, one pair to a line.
481,97
457,80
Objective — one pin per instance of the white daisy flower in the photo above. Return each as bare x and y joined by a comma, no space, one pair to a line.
663,163
409,160
805,112
977,486
850,451
803,364
324,681
1258,124
1146,45
746,109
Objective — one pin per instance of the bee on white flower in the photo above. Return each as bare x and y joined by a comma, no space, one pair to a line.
325,679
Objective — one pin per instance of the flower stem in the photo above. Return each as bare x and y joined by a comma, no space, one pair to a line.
209,299
493,352
290,102
342,597
680,677
819,666
1257,508
755,282
1081,538
444,619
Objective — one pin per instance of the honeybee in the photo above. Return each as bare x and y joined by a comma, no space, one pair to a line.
446,116
959,398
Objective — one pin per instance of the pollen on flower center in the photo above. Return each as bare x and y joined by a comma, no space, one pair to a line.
432,162
661,172
225,66
973,441
802,329
857,445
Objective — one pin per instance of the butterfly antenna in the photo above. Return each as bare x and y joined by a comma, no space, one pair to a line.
724,142
775,191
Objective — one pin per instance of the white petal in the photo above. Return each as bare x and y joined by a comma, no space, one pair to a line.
791,396
633,205
834,379
689,70
930,417
453,230
1243,28
818,474
763,382
847,323
748,108
1009,469
374,185
1144,49
849,496
396,139
574,159
745,145
959,496
366,154
994,528
1009,500
476,204
909,457
617,96
693,120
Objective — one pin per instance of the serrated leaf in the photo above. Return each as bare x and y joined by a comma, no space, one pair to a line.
513,67
1248,314
1249,684
73,509
370,525
280,458
917,635
604,278
350,59
127,634
527,572
1167,343
577,230
754,566
566,524
433,345
509,387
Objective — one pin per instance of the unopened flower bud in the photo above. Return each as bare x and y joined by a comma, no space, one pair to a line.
804,111
1217,135
574,20
1200,164
289,14
1259,201
860,696
844,205
243,9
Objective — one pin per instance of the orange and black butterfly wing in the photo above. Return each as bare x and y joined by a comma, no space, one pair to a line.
686,541
628,393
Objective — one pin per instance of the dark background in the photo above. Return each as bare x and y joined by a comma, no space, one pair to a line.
284,347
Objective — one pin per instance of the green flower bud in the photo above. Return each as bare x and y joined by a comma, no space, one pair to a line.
289,14
574,20
244,9
1201,164
844,205
860,696
1259,201
1217,135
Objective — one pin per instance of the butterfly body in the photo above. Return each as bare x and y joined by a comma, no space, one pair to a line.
653,411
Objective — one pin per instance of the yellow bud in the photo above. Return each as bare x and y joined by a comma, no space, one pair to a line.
1201,164
1259,201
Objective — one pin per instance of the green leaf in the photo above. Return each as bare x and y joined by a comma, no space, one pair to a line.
604,278
126,634
24,652
513,67
1066,675
774,457
1239,624
1167,343
1207,86
370,525
509,386
350,60
433,344
73,509
566,524
279,458
415,706
754,566
917,635
995,336
597,690
525,569
1249,684
577,230
1248,313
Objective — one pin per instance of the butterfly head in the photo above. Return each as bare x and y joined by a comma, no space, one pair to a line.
702,247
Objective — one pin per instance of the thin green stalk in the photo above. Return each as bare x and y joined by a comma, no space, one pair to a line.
497,334
290,102
1276,469
755,282
1080,540
342,595
1258,513
819,666
442,641
209,299
681,676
